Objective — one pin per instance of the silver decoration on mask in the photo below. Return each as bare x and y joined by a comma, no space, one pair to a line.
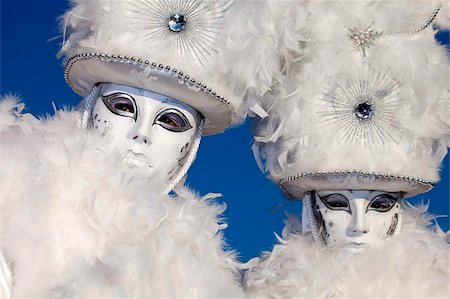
393,225
364,37
189,29
364,109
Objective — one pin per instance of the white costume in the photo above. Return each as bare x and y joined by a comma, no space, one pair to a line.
74,216
414,264
79,220
359,122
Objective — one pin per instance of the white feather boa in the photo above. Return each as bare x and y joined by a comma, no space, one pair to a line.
75,223
413,265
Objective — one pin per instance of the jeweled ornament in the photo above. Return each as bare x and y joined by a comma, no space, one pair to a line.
364,111
364,108
186,28
177,22
362,38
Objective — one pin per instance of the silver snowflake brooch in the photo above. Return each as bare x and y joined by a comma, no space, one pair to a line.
362,38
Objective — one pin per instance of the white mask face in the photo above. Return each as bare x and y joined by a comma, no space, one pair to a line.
151,130
357,219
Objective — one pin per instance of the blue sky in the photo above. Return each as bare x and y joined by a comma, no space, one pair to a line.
29,41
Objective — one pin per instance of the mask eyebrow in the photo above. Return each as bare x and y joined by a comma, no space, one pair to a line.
111,92
395,195
328,193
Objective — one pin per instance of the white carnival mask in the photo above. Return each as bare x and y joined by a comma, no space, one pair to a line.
150,130
357,219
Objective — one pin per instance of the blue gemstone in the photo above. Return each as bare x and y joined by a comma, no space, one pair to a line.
177,22
364,111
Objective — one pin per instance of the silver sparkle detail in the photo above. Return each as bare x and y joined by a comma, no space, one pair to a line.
363,109
363,38
189,29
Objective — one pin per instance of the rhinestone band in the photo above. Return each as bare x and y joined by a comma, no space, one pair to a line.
363,38
143,63
421,28
428,184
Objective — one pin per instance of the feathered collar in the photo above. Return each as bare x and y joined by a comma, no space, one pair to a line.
76,223
413,265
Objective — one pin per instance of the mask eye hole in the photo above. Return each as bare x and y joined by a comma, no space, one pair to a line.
173,120
121,104
336,201
382,203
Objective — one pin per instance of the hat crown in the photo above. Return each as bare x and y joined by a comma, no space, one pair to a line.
184,33
219,50
369,99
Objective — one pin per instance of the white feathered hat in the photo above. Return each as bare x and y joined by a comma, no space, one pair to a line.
175,48
365,104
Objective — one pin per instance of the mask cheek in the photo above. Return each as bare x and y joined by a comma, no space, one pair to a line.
101,124
169,151
182,155
107,123
182,158
335,223
383,225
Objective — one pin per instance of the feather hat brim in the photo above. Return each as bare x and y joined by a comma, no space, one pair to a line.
83,71
295,187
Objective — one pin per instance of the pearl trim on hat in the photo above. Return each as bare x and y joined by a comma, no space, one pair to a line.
140,62
419,181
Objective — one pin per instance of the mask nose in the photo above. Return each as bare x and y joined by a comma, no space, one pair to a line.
142,132
358,225
141,138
